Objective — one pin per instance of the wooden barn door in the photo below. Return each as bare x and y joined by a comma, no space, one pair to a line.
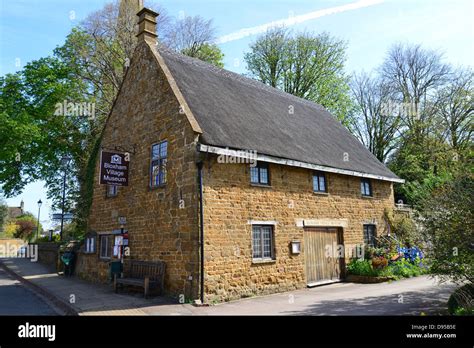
320,268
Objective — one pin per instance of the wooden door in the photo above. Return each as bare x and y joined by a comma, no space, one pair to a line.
322,267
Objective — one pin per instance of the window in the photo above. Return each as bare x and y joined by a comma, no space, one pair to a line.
262,242
366,187
319,182
369,235
90,245
159,153
260,174
105,246
112,190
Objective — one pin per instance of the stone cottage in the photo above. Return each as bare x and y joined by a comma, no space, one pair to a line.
240,188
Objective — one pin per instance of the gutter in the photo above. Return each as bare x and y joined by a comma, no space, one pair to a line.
292,163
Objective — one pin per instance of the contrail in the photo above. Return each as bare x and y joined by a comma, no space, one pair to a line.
240,34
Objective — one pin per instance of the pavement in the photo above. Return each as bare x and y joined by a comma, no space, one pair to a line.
412,296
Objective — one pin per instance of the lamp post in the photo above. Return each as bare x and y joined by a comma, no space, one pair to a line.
38,225
64,161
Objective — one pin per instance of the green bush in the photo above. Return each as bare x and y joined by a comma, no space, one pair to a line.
460,301
399,269
361,267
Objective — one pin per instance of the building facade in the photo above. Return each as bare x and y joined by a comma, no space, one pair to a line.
229,225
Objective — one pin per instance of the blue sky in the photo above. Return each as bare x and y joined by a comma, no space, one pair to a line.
30,29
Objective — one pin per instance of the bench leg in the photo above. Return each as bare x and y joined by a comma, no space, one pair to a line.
147,286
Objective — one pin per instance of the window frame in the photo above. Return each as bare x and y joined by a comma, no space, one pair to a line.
109,194
90,246
161,162
370,241
363,187
320,174
262,256
259,166
109,250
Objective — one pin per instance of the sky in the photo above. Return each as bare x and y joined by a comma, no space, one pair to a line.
31,29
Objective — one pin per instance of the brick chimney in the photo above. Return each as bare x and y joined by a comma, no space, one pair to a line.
147,26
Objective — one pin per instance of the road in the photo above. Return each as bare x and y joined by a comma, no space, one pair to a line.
16,299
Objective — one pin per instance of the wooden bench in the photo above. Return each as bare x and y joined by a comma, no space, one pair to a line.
145,274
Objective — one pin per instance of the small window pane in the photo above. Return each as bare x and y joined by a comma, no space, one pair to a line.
155,151
365,187
163,149
267,241
254,175
369,235
257,247
322,184
263,175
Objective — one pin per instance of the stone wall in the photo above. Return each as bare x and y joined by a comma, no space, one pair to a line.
162,222
230,202
48,254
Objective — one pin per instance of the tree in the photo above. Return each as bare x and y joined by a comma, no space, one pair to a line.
193,36
455,103
448,221
3,214
372,123
88,69
27,227
11,229
415,74
305,65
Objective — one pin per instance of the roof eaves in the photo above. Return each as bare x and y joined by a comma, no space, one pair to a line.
293,163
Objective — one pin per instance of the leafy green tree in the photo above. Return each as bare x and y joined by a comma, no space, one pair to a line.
305,65
208,53
448,221
3,214
27,227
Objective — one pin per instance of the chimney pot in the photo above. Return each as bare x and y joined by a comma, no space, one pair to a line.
147,25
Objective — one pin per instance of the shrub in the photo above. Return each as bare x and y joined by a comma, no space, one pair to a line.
460,301
361,267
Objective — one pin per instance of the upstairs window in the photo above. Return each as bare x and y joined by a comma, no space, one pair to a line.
260,174
366,187
319,182
369,235
159,154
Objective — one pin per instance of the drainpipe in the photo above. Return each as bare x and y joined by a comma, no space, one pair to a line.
201,234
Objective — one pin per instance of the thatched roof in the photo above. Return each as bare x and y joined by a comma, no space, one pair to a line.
240,113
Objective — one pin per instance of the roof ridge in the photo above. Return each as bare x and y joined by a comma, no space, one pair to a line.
241,78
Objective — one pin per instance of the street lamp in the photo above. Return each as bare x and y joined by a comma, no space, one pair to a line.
64,161
38,225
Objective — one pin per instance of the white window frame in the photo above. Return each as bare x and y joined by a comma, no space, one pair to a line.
272,256
108,251
90,245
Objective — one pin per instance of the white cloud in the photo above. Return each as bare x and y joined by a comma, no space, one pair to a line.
293,20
